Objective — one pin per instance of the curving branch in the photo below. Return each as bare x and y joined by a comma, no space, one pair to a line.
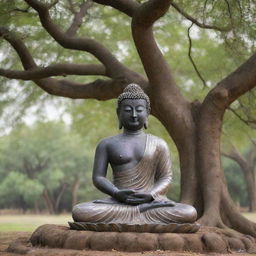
113,66
78,17
49,6
54,70
155,65
247,122
151,11
99,89
18,45
236,156
25,10
242,80
190,56
199,24
126,6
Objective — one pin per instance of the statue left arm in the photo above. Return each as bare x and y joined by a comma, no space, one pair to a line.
163,176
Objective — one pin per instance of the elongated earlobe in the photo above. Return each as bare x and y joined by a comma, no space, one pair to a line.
120,125
146,124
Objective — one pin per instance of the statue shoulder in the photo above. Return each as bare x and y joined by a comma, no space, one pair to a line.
161,143
106,142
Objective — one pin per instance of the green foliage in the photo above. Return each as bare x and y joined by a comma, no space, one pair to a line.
215,53
44,157
107,25
236,183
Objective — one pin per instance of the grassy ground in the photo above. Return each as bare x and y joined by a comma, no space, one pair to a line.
250,216
28,223
16,226
9,223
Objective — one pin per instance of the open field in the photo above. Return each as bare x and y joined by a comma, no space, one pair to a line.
14,226
250,216
29,222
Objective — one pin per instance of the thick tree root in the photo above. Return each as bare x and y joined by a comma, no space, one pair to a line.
207,239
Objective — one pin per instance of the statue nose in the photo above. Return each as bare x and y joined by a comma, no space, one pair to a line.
134,113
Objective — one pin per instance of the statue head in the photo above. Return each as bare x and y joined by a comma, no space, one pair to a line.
133,108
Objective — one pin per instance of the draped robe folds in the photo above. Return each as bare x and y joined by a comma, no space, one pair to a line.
152,174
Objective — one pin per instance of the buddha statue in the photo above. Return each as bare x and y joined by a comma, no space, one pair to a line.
141,168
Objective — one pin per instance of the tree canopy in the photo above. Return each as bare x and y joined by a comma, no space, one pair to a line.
46,162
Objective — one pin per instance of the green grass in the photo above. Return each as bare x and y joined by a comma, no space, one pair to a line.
29,222
9,223
250,215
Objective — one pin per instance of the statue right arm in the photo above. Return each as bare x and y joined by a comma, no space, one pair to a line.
100,170
99,175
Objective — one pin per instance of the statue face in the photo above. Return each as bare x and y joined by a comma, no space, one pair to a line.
132,113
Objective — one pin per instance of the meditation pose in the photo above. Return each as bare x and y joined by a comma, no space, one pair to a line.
141,173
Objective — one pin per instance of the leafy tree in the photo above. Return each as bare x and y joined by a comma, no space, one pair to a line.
236,183
247,165
193,119
43,161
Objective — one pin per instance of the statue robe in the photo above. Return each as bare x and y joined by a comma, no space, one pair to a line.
152,174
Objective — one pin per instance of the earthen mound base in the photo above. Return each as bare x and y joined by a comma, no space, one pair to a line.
205,240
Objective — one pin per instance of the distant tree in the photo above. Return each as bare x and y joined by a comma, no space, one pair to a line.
247,164
43,161
194,125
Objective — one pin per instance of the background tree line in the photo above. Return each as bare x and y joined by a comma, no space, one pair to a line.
195,60
47,166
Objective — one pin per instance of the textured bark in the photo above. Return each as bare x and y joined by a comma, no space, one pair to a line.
194,127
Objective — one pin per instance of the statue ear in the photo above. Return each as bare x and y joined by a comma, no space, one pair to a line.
120,125
146,124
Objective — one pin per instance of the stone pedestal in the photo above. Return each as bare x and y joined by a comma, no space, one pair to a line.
205,240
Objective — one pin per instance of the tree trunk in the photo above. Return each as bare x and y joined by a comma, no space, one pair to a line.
75,188
48,202
57,202
36,208
202,177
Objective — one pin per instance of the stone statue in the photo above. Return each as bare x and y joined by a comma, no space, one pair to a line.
141,176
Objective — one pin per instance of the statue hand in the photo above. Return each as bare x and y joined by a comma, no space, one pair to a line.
139,198
122,195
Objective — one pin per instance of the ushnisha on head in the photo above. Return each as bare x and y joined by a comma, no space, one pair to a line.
133,108
133,91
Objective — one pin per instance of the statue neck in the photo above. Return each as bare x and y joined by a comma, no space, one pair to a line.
129,132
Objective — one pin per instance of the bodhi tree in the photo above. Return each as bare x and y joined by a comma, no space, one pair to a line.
194,126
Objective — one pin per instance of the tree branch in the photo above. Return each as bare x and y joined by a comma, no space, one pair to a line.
25,56
126,6
190,56
72,6
247,122
54,70
155,65
234,155
234,85
21,10
49,6
100,89
150,12
84,44
78,18
199,24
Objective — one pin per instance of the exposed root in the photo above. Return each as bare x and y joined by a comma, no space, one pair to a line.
233,218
